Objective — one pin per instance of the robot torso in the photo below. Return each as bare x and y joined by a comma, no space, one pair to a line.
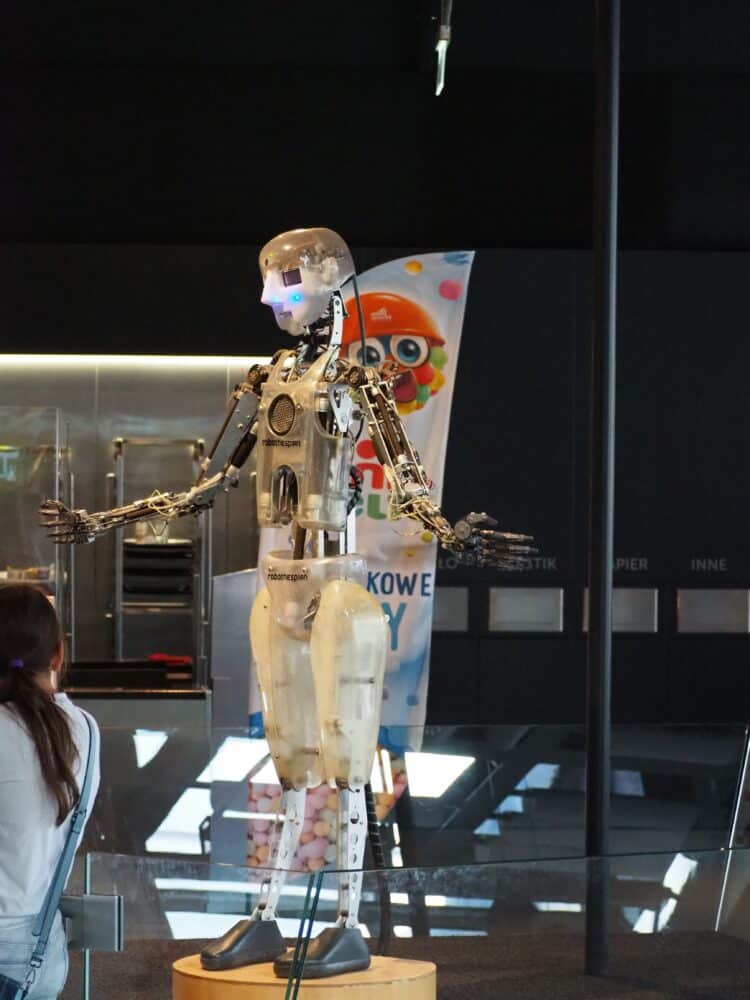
303,460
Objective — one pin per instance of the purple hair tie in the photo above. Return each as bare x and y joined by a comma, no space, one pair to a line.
17,664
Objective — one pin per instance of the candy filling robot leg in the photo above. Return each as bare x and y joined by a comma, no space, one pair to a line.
289,716
348,651
284,841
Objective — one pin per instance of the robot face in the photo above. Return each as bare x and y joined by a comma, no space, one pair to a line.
300,270
297,296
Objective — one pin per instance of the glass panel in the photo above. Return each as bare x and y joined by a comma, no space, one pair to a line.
468,794
172,910
33,467
232,596
519,928
678,925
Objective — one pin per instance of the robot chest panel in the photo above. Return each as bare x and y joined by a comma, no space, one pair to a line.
302,468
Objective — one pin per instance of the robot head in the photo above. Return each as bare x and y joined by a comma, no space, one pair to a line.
300,270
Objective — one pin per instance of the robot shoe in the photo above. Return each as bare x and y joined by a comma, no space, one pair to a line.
334,951
247,943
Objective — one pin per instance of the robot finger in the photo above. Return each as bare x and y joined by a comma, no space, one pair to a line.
508,536
49,506
493,549
53,520
62,536
475,518
495,539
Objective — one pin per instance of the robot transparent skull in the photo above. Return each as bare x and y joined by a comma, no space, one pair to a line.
300,270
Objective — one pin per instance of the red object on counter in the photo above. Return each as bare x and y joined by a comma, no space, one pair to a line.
170,661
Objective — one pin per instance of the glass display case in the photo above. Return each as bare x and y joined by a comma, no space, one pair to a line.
470,794
483,830
677,927
35,465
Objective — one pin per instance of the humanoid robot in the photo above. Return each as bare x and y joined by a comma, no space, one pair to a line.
319,638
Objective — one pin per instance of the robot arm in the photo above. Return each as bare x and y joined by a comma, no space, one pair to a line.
219,471
473,538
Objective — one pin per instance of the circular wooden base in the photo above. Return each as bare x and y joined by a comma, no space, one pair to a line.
386,979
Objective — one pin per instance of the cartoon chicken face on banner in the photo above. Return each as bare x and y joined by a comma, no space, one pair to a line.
402,332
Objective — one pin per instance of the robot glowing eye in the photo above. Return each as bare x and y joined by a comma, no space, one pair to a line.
297,297
410,351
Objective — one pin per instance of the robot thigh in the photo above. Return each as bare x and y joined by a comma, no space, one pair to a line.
288,695
348,649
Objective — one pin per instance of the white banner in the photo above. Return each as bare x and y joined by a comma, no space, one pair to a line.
413,312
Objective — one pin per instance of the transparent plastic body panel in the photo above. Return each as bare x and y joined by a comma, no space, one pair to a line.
320,686
172,909
283,665
293,442
349,642
295,583
675,922
34,465
301,269
309,248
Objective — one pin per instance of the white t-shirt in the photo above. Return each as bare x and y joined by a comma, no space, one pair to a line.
30,840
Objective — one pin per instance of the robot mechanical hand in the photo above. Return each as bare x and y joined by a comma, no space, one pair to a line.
476,538
65,526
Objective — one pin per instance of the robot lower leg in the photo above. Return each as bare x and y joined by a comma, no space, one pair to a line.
258,938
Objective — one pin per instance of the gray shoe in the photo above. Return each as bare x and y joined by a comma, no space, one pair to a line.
334,951
247,943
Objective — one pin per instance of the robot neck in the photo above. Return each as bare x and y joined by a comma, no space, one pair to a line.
312,344
324,333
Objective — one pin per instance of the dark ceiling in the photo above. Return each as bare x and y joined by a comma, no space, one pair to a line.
194,123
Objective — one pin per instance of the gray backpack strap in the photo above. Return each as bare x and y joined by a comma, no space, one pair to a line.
43,923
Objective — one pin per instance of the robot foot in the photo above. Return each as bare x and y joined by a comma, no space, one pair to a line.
334,951
247,943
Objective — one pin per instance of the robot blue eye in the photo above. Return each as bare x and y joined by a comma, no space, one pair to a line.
296,297
292,277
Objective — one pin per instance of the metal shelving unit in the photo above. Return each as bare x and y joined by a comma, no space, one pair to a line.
158,580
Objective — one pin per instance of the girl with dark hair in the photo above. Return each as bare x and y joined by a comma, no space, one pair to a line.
43,751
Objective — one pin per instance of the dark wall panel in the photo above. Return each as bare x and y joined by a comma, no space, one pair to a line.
683,422
532,680
518,441
133,300
514,448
